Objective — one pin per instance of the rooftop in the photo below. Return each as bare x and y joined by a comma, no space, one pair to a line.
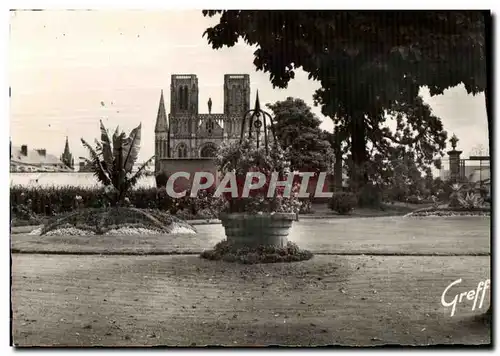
33,157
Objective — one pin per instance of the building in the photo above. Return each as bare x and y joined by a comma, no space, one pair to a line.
23,159
187,139
84,167
190,134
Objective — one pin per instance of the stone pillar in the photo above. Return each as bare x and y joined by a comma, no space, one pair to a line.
454,165
454,154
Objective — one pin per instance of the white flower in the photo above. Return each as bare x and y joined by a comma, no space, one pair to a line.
78,198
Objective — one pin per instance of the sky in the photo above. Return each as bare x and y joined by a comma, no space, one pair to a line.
63,64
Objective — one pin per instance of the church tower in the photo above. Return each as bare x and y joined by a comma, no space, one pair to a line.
236,101
161,134
184,94
183,117
67,157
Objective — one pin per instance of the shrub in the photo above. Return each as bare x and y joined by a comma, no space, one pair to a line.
483,192
395,194
342,202
306,207
442,195
455,195
470,201
369,197
161,180
414,199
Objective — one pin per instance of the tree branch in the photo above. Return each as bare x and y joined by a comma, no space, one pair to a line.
409,141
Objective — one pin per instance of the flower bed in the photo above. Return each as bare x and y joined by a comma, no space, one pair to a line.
470,204
449,211
116,221
226,251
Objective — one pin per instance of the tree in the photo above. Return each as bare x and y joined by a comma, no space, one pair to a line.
297,128
398,173
479,150
113,162
366,61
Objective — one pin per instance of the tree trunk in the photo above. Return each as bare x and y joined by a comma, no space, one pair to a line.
358,150
337,167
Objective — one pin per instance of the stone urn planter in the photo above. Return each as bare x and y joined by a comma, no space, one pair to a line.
253,230
256,216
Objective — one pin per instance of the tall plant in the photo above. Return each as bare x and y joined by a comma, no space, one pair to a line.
112,161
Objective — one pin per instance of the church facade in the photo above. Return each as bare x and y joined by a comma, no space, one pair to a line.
187,139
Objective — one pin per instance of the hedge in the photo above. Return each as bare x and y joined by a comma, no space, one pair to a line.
56,200
28,203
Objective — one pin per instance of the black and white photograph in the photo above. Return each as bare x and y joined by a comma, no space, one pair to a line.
187,178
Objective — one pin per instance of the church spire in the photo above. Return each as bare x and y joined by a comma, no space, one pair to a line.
161,118
66,147
67,157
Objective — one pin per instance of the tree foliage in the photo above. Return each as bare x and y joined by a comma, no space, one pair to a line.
297,129
426,48
367,62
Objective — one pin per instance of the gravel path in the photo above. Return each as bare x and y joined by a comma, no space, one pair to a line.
185,300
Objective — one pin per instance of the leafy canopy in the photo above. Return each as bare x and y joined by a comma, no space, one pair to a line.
427,48
297,129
